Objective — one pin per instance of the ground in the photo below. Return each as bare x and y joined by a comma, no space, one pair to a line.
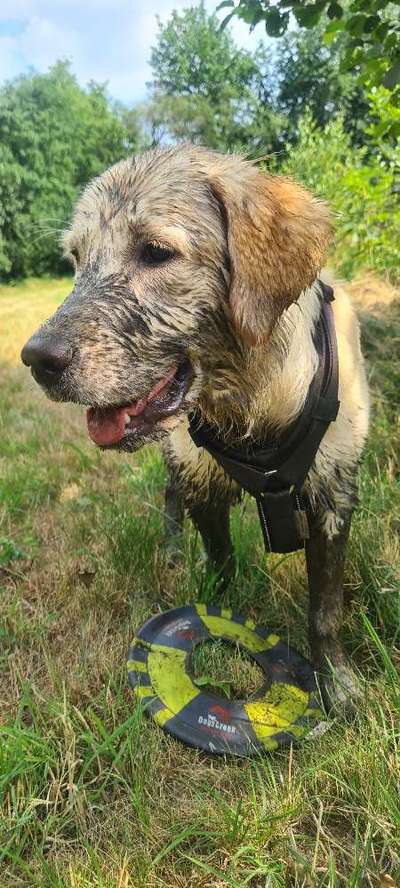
93,794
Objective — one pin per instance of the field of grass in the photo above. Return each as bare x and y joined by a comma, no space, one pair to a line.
94,795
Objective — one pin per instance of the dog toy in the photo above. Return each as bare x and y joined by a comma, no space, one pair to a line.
159,670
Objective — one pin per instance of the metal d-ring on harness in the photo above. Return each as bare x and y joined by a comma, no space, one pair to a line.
275,470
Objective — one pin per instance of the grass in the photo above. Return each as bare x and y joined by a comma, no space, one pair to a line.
94,795
225,667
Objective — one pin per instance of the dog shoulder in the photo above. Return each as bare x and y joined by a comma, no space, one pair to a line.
351,427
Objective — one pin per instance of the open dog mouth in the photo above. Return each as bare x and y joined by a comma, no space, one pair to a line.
117,425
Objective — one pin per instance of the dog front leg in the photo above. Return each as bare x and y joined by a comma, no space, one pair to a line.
211,518
325,566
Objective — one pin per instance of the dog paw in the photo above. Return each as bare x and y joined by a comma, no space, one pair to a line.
341,691
174,556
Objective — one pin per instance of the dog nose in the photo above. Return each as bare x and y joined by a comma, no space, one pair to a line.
47,356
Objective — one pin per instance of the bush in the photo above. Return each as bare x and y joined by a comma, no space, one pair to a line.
361,186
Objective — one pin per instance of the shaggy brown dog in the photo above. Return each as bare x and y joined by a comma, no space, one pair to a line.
196,287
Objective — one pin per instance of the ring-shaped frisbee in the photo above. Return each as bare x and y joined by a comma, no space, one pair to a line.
159,669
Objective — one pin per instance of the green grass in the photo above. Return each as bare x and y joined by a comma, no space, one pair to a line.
218,665
94,795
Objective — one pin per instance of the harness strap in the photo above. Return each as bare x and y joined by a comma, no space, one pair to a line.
275,471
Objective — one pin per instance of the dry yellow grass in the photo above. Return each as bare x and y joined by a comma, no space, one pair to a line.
371,293
22,308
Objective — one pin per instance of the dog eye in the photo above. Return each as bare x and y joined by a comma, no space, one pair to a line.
155,254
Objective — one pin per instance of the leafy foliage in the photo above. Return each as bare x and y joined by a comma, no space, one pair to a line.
308,75
54,136
364,193
207,90
371,26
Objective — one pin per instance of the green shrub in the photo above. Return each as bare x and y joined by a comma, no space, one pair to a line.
362,188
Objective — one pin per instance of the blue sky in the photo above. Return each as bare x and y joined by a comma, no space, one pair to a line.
106,40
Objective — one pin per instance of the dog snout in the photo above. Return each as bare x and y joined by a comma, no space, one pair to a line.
47,356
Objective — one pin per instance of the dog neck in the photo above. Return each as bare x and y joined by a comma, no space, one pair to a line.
265,388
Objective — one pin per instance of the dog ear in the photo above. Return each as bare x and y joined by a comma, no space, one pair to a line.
278,235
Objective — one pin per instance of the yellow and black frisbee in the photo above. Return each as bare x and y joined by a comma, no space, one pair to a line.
159,669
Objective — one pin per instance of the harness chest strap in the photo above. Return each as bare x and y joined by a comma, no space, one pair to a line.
274,471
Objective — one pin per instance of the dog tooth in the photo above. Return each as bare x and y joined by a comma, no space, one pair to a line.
127,419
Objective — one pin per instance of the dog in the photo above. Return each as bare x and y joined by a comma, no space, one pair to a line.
196,288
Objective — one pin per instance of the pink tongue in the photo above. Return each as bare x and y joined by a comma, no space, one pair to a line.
107,426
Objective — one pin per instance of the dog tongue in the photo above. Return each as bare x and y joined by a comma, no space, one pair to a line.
107,425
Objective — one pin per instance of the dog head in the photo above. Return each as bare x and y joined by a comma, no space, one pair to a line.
184,259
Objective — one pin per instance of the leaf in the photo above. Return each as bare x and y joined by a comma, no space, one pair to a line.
276,22
225,4
355,24
202,680
308,16
250,12
257,17
382,31
372,66
334,11
332,29
371,23
336,25
392,76
226,20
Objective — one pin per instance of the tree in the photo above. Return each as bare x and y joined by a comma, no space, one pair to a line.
54,136
372,28
308,75
207,90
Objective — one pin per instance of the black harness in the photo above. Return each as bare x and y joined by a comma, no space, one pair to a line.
275,470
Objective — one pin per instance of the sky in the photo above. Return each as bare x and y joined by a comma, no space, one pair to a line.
105,40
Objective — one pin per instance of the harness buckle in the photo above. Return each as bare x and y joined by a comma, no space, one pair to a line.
302,525
285,526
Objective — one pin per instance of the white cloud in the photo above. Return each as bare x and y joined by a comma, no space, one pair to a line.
105,41
44,40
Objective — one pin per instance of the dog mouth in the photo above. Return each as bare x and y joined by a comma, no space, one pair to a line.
122,425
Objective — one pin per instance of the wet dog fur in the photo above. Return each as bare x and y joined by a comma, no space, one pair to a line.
189,259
